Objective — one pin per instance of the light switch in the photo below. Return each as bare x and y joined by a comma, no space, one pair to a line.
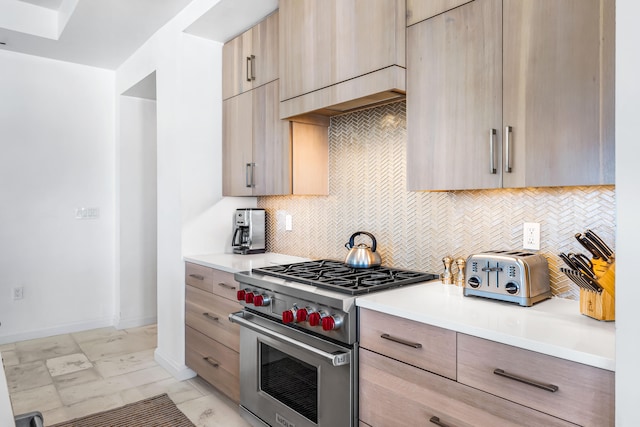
87,213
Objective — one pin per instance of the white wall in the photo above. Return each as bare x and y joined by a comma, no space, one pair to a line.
193,217
136,288
56,154
628,234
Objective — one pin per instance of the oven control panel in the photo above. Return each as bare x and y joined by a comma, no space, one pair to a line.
296,312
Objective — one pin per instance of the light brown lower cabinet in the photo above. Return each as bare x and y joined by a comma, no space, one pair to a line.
393,393
417,374
216,363
212,343
572,391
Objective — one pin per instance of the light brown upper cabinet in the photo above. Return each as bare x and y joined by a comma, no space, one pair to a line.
264,156
338,55
511,93
256,149
251,59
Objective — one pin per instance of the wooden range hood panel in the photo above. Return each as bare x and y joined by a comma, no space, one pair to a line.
375,88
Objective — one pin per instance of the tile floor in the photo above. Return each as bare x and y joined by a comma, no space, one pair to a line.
72,375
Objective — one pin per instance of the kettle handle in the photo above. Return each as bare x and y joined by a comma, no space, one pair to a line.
357,233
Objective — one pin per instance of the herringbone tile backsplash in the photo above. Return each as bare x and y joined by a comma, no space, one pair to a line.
414,230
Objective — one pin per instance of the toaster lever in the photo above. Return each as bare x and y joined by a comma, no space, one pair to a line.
496,268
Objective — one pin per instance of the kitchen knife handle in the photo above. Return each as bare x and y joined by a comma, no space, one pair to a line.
401,341
507,148
197,276
492,148
435,420
604,248
548,387
224,285
588,245
211,361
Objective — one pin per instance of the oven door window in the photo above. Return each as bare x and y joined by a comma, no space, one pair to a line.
290,381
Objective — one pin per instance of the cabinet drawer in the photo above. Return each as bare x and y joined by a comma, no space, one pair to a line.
395,394
424,346
217,364
209,314
584,395
211,280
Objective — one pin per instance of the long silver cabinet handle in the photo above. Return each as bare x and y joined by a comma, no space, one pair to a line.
548,387
253,67
336,359
507,148
208,316
248,67
435,420
253,175
247,182
401,341
224,285
197,276
492,154
211,361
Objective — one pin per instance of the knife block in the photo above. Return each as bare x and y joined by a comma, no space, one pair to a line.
600,305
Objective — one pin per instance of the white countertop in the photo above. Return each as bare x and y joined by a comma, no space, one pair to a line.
6,413
554,327
233,263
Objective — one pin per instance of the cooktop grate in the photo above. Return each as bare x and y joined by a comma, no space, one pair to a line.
339,277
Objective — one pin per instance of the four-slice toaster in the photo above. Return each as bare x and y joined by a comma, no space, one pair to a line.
513,276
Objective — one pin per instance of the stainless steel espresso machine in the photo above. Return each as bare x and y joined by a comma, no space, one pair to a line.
249,236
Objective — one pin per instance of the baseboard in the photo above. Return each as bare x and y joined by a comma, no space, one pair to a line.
135,322
179,371
66,328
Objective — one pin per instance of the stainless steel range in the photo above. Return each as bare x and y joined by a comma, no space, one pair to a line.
298,344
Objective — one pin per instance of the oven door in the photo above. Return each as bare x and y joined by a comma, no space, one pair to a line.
292,379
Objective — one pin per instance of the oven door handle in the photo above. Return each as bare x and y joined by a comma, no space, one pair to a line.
336,359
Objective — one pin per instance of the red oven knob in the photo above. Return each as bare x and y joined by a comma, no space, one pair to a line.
301,315
240,294
288,316
331,323
315,318
261,300
248,297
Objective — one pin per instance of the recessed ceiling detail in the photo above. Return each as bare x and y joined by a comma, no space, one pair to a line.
98,33
29,18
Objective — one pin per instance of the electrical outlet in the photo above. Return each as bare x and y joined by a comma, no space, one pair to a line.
531,236
288,223
18,293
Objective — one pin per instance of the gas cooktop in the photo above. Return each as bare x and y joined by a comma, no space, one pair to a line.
339,277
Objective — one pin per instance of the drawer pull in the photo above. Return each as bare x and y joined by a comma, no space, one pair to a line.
211,362
207,315
224,285
548,387
435,420
197,276
401,341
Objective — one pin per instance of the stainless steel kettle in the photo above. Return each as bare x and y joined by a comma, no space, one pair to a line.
362,256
